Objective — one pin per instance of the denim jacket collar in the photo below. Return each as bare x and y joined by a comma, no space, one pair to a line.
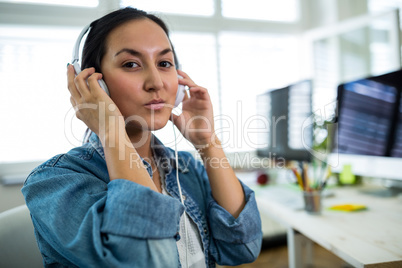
165,157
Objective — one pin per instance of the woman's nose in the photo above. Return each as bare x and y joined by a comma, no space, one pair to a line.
153,79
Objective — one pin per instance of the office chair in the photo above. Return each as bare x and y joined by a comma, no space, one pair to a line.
18,248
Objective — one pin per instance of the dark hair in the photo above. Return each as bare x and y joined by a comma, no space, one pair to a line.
95,43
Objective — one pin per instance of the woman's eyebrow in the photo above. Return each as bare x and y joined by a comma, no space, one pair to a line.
136,53
129,51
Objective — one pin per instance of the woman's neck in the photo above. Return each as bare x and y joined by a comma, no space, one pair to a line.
141,140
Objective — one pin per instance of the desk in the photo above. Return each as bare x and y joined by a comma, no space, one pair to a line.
370,238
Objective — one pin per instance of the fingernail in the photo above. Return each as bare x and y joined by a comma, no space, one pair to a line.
68,64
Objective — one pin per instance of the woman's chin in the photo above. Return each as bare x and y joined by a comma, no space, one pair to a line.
148,126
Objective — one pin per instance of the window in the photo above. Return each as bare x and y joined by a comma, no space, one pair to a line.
284,10
353,52
376,6
34,100
79,3
380,34
183,7
250,65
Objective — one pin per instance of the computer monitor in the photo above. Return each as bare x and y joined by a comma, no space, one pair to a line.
366,116
369,126
288,126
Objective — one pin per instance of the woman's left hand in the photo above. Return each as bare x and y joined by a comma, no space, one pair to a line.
196,121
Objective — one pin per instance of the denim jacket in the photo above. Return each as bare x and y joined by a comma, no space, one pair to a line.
82,219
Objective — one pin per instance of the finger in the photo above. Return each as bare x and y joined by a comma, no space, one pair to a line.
80,81
186,95
70,82
180,72
93,82
186,80
199,93
72,101
177,121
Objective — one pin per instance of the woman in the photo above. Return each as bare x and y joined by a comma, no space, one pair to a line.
115,201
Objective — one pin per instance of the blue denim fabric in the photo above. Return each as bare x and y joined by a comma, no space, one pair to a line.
82,219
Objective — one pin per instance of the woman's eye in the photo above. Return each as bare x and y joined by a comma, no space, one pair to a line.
165,64
130,65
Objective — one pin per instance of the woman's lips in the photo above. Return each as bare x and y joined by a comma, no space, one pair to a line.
156,104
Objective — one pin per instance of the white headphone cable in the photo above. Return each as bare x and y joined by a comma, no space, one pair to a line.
180,192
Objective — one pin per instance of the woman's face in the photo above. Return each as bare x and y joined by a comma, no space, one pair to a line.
138,68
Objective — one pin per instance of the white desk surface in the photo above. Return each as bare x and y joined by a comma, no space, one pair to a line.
369,238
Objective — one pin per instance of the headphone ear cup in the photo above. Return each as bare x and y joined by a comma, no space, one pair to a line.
77,68
181,91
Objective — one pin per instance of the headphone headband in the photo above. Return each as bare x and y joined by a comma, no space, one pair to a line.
76,50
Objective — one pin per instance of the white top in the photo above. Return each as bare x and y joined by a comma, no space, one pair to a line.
190,246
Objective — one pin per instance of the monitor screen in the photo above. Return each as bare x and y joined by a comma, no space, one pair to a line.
370,117
287,130
396,149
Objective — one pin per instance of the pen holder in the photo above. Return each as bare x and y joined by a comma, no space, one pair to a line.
312,201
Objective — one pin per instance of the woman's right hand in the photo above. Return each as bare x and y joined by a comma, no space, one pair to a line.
98,111
91,103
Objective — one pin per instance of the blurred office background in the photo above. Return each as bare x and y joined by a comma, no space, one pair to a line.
236,49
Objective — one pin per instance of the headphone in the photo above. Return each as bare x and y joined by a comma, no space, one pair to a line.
75,62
